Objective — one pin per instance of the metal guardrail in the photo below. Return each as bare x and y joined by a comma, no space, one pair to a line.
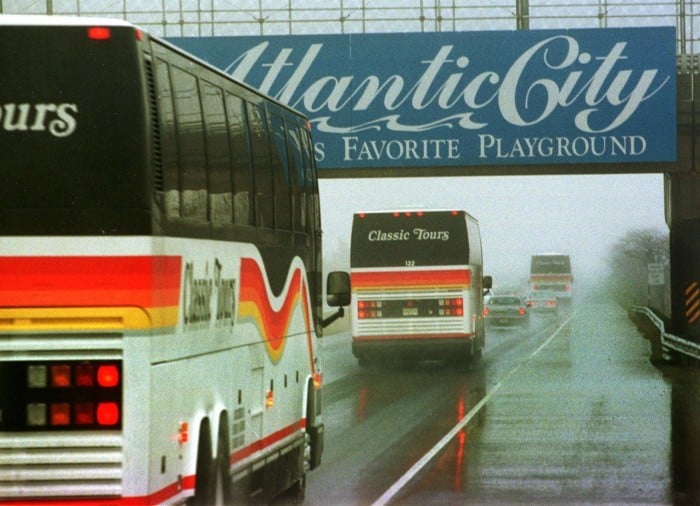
669,342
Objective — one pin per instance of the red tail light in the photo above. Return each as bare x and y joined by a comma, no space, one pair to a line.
107,413
108,376
66,395
521,311
99,33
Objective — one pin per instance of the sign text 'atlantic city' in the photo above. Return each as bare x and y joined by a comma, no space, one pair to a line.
468,98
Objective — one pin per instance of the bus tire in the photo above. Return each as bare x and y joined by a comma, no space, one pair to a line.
206,468
221,489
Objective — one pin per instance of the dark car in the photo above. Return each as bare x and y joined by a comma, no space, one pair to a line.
506,310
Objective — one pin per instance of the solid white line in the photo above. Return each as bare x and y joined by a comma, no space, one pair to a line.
425,459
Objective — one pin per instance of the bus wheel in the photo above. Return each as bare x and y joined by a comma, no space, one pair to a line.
222,481
297,492
205,474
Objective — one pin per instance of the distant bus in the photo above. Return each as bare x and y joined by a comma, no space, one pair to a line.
417,285
160,283
551,272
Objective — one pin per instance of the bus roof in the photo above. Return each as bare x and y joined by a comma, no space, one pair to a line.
63,21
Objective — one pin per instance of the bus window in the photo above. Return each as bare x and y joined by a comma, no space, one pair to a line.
296,170
190,130
242,176
218,154
171,178
311,201
474,245
260,148
280,173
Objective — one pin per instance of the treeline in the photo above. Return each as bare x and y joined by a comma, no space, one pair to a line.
629,261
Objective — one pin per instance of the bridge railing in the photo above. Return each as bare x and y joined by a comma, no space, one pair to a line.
172,18
670,344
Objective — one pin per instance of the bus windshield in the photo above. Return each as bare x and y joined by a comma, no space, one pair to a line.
413,239
72,124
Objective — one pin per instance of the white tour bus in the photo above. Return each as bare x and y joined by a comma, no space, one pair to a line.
417,285
160,284
551,272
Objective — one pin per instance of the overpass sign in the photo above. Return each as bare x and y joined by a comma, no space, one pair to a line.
468,99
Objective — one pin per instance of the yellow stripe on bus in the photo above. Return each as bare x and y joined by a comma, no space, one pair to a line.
86,318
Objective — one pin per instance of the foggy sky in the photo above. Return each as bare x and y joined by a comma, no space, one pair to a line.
581,215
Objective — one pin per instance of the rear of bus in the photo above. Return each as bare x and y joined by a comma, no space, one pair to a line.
417,289
77,274
551,272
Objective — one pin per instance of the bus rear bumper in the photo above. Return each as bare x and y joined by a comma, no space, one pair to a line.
414,347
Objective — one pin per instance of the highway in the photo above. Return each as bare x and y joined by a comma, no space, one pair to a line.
569,410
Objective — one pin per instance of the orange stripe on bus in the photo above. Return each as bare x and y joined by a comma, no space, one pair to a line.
255,305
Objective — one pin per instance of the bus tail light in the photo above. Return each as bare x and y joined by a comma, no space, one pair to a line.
66,395
99,33
451,307
369,309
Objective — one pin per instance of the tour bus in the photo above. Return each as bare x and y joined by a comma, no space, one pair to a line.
417,285
551,272
160,275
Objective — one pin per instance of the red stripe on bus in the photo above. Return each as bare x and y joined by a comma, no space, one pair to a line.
267,441
72,281
399,337
461,277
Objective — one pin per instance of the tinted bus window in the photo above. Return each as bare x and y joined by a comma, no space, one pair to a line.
171,174
190,132
311,204
260,148
218,154
296,170
388,240
242,175
280,173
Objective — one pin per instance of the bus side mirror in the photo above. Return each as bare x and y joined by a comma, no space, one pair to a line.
488,282
338,289
337,295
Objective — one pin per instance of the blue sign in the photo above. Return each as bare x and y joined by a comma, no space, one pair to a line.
468,98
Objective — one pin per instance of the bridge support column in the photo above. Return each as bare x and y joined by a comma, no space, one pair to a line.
682,196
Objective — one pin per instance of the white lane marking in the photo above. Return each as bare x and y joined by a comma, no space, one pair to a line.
425,459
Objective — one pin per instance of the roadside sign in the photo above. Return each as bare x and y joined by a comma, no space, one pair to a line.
656,274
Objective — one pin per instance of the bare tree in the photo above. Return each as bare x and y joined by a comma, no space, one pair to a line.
629,259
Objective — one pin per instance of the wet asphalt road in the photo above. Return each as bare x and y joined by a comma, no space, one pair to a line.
566,411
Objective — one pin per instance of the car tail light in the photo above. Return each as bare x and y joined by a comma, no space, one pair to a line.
521,311
486,311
